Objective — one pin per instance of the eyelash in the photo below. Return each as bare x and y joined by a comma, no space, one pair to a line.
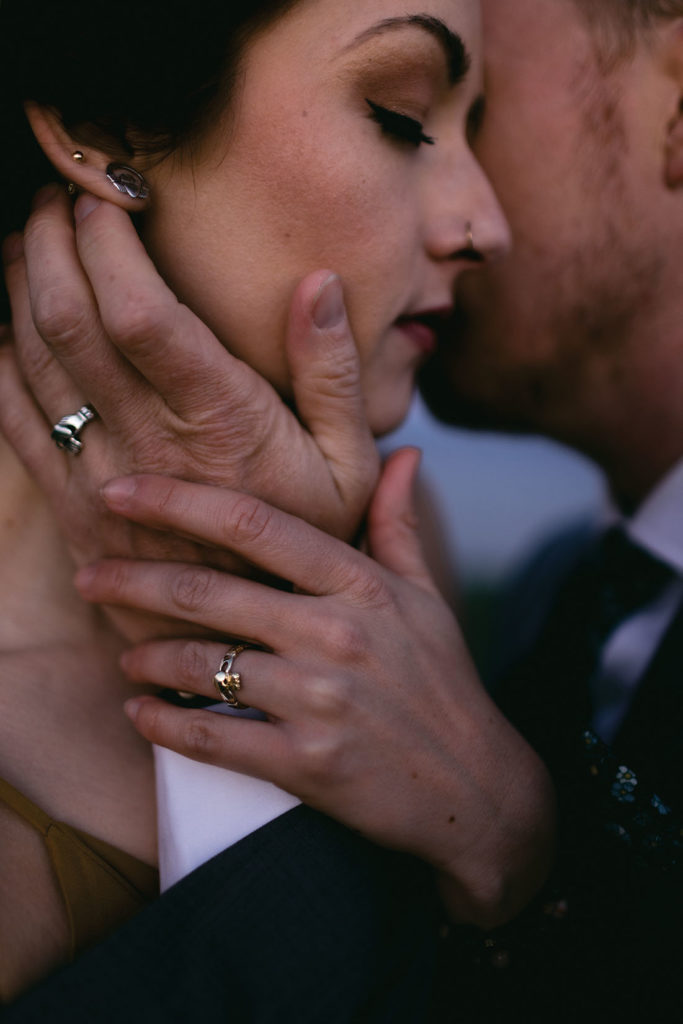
399,126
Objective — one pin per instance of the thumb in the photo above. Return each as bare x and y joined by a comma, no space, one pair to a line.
325,370
393,523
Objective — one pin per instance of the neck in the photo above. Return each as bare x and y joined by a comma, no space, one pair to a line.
38,603
628,415
640,443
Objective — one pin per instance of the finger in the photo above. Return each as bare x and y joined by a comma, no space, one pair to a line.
254,748
225,605
283,545
187,665
25,428
65,315
393,526
325,370
191,665
50,384
172,349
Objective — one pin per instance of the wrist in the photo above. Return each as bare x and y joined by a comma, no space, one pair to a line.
493,878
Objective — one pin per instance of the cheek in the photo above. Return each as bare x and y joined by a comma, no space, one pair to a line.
326,198
234,242
346,205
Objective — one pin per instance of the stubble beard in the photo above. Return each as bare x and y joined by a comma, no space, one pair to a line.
533,341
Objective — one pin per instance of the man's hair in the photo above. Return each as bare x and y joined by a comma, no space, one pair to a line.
619,22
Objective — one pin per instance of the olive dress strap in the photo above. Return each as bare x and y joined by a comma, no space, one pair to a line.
101,886
25,808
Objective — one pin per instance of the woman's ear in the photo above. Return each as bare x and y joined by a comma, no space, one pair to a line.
90,169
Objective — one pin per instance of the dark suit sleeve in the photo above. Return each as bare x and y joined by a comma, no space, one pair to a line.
603,941
302,921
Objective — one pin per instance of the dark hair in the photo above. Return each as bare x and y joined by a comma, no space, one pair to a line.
139,80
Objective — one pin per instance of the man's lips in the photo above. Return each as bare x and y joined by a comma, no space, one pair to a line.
424,328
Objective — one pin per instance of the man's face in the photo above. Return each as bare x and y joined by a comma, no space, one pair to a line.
540,336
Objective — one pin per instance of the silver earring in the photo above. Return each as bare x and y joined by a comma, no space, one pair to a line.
128,181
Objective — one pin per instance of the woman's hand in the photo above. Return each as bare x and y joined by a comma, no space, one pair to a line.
375,712
93,322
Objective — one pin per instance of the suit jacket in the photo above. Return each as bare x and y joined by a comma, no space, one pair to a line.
301,921
604,940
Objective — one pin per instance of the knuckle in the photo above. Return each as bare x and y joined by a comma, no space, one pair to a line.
59,317
251,519
150,721
338,379
191,665
328,698
199,739
323,759
346,639
370,591
161,493
115,577
191,588
140,320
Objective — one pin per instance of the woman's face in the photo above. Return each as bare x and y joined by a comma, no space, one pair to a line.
325,159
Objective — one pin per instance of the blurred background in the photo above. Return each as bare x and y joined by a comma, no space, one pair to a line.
496,499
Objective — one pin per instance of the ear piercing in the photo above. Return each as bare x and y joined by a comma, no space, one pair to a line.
72,187
128,181
125,179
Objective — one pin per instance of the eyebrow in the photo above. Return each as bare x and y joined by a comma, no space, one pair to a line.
457,57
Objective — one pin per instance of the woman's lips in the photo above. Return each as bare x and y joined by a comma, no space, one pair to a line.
422,329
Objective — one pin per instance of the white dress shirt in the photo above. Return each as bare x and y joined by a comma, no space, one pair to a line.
202,810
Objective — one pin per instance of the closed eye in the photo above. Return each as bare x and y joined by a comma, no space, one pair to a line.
399,126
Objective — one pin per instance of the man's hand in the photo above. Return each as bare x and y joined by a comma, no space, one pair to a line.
93,322
375,712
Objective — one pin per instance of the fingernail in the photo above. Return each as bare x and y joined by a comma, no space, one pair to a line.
131,707
45,195
13,247
117,492
328,310
85,204
84,577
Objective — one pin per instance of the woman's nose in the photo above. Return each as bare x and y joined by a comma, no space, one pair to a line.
465,219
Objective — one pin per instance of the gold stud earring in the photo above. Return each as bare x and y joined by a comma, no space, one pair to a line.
72,187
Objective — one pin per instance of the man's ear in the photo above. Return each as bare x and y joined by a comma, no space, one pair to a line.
674,151
85,166
673,168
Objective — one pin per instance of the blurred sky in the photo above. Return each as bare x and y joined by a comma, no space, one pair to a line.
499,495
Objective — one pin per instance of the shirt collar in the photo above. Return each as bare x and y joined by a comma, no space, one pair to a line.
658,522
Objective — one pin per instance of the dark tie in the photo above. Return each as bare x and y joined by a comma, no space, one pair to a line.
547,694
626,579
